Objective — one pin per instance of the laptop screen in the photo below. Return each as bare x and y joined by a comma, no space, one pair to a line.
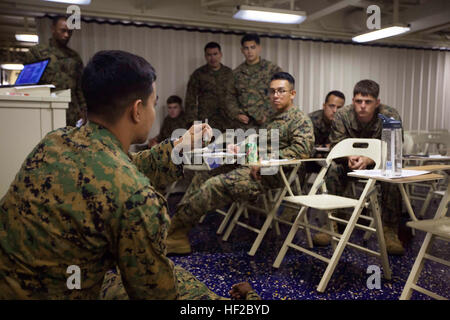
32,73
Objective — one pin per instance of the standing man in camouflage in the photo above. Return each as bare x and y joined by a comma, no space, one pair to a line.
360,120
205,193
247,101
80,200
64,69
206,91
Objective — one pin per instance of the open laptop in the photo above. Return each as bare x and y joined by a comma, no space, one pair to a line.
31,74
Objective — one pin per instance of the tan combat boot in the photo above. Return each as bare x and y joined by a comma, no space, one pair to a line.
322,239
393,244
177,241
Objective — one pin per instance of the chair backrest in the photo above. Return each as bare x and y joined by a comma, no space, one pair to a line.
428,140
370,148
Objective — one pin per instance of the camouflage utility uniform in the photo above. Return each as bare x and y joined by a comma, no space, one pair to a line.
322,127
206,193
64,72
346,125
247,92
321,135
79,199
206,97
171,124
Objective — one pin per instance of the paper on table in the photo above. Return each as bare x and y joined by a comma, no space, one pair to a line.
378,173
274,161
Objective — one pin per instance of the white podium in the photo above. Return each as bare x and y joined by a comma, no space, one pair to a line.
27,114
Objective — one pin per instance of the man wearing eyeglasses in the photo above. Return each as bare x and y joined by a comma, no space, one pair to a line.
246,98
206,194
360,120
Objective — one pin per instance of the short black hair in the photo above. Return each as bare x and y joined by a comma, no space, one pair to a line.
284,76
58,17
112,80
212,45
174,99
366,88
250,37
334,93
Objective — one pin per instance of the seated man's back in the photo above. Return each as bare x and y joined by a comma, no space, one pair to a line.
73,202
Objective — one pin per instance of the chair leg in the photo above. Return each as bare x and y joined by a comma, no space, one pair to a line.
376,212
230,228
307,230
416,269
426,203
227,218
262,232
289,239
330,226
339,249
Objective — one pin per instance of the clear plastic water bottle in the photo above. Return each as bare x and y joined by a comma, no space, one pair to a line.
391,146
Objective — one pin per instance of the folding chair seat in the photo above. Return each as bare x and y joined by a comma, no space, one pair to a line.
370,148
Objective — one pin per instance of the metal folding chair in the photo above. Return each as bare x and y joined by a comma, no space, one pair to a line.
349,147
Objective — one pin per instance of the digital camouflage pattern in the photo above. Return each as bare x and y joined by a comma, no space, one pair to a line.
322,127
346,125
171,124
189,288
246,93
206,97
64,72
206,193
79,199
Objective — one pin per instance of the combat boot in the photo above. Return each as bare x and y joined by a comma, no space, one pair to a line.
322,239
177,241
393,244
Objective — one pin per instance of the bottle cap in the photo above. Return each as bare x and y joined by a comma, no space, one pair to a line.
390,123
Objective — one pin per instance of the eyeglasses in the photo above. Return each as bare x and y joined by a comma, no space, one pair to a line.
280,92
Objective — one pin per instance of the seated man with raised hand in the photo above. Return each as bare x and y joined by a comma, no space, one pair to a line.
205,193
82,204
360,120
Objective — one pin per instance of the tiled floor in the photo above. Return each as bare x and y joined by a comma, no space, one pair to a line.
220,264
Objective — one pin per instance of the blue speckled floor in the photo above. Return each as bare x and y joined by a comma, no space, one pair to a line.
220,264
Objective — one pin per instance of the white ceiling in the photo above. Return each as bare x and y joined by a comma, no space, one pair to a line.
326,19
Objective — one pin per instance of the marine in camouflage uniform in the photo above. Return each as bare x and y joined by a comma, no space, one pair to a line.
322,127
206,97
64,72
246,93
206,193
346,125
79,199
171,124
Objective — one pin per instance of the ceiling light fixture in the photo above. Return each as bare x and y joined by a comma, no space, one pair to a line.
12,66
391,31
27,37
86,2
269,15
